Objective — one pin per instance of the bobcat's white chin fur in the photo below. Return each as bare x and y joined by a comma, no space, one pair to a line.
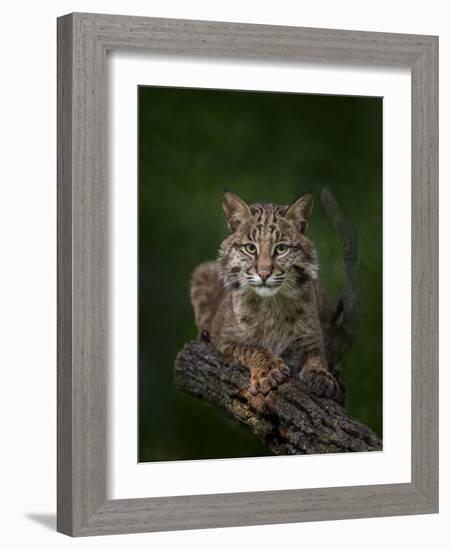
266,291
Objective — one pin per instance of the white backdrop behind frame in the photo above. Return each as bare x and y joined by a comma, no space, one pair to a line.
126,477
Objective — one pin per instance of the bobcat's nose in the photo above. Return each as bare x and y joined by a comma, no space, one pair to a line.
264,275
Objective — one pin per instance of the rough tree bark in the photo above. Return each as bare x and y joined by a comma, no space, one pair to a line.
290,420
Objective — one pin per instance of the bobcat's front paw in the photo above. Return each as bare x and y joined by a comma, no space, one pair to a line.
319,381
267,377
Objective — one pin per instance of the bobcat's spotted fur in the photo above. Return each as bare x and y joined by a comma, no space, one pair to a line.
258,302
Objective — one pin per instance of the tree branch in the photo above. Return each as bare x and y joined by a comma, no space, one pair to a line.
341,333
288,420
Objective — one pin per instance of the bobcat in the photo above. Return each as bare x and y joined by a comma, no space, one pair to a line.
258,303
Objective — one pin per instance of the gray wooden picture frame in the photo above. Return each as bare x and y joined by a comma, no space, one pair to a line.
83,41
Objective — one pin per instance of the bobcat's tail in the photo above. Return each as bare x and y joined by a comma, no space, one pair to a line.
345,321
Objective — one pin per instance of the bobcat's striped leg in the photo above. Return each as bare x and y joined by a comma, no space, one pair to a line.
267,370
316,376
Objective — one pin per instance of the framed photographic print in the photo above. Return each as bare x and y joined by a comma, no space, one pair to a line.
247,274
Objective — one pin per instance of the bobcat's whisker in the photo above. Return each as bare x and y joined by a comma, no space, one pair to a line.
226,285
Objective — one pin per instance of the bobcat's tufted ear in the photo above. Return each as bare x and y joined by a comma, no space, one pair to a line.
300,212
236,210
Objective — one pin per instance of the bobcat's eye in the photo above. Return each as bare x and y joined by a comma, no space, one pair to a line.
250,248
281,249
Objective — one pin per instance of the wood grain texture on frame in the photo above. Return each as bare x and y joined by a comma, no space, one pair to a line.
83,40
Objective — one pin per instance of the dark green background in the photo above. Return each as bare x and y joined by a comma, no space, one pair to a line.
268,147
